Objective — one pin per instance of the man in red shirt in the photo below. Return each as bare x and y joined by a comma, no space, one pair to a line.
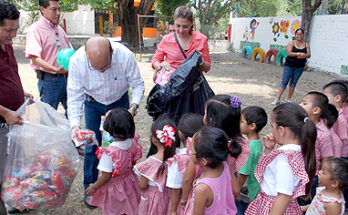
11,90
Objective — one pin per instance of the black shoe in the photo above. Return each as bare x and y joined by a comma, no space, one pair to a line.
86,200
16,211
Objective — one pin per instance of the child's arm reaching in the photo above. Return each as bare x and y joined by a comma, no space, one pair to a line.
187,182
174,200
143,183
235,186
280,204
102,180
242,179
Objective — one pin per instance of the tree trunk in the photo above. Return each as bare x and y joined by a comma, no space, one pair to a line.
128,17
307,14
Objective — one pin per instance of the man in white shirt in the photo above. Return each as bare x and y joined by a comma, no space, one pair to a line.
100,75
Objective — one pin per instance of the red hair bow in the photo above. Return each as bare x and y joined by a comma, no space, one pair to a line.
166,136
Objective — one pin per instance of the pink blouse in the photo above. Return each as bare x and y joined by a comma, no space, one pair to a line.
169,50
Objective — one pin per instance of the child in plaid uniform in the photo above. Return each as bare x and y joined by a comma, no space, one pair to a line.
285,173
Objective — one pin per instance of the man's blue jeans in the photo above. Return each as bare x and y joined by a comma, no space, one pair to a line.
52,90
93,112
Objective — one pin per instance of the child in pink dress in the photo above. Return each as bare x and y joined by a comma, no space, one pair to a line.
283,173
188,125
155,196
224,112
212,191
116,191
332,180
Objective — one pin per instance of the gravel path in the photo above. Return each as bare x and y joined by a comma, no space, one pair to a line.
255,83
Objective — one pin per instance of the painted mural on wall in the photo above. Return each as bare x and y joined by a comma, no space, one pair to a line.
249,33
282,28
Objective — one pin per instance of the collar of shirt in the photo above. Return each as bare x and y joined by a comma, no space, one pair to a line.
293,147
321,126
124,145
47,23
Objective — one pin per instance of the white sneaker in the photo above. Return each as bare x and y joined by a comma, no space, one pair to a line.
288,101
276,102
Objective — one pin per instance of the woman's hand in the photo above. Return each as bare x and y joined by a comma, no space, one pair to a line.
269,142
158,67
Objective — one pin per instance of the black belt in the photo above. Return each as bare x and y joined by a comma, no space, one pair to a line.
40,74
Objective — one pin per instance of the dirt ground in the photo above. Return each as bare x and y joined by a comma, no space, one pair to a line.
253,82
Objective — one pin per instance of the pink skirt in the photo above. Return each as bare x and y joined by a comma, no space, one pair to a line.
154,202
262,205
120,195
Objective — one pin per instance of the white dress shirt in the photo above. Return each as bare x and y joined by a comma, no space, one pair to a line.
107,87
278,176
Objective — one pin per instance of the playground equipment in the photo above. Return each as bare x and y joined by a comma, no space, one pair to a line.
270,53
260,52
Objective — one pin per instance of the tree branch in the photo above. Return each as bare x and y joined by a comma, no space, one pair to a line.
316,5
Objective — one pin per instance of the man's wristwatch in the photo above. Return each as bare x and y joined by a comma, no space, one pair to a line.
133,109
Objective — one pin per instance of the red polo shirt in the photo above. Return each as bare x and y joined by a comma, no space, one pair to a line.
11,90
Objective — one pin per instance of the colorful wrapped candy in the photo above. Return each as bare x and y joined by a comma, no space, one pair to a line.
164,76
83,137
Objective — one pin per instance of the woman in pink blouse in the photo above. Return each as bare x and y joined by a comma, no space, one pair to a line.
168,54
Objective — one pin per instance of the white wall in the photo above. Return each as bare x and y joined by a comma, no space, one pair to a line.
328,38
80,22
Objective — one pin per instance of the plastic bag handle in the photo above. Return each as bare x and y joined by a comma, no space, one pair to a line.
21,109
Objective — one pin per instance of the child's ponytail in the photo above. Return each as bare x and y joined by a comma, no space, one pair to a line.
294,117
308,138
165,131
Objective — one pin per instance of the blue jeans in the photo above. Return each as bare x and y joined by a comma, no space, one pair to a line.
52,90
291,74
93,112
241,207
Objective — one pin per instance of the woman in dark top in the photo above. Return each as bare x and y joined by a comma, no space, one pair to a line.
298,51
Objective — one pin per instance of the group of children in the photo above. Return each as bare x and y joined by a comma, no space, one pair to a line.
224,164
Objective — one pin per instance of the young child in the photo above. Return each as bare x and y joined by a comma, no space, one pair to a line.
212,191
285,173
224,112
330,117
332,180
188,125
316,104
155,196
253,120
337,95
116,190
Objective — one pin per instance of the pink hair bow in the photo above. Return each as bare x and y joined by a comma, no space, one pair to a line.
166,136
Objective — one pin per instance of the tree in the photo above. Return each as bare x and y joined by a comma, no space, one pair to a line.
165,9
209,13
307,13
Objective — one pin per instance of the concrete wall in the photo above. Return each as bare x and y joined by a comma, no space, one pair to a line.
80,22
328,37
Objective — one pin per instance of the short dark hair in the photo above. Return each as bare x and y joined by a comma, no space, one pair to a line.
46,3
257,115
8,11
190,123
171,22
320,100
337,88
339,171
331,115
120,124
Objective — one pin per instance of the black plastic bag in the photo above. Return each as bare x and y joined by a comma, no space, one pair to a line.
186,92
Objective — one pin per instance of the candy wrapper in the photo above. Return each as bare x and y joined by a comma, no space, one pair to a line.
164,76
107,139
82,137
42,163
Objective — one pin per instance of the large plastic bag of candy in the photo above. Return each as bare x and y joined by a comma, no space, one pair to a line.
42,161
